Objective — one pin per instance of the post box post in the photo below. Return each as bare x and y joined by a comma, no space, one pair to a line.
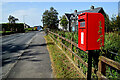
89,65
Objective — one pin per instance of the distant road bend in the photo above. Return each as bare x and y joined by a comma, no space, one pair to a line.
12,46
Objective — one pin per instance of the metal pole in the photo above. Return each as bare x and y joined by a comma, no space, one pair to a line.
24,20
89,65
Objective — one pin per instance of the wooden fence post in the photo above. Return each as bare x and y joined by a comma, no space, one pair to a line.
75,59
101,68
71,46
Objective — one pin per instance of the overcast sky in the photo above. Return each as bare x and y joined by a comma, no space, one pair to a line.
31,12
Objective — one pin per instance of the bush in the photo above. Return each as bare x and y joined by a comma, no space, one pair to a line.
17,27
112,41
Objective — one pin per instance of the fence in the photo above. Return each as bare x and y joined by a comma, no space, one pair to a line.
103,61
77,60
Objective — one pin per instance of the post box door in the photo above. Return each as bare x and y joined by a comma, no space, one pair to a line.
82,32
82,38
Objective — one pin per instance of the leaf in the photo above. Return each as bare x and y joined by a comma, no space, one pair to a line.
98,40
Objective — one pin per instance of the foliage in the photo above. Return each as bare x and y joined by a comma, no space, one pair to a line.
111,44
50,18
12,19
28,29
44,27
63,22
17,27
100,36
118,22
113,24
112,41
107,24
5,32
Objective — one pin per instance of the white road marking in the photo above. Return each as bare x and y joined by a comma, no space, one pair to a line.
8,41
12,47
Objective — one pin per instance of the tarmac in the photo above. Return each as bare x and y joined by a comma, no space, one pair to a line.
34,62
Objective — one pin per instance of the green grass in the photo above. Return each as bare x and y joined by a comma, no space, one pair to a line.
62,67
1,32
28,29
5,31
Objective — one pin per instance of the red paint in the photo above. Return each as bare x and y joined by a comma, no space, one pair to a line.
90,31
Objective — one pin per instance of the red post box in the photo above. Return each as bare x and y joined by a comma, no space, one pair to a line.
90,31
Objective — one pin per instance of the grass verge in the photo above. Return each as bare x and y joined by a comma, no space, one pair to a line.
5,31
62,67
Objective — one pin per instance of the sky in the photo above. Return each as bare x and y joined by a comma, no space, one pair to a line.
119,8
31,12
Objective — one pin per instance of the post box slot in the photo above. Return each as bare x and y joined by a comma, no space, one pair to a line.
82,24
81,20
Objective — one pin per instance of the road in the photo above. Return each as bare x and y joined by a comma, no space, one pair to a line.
12,47
35,61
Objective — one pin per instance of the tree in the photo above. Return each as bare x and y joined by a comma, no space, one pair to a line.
114,23
118,22
107,23
50,18
12,19
64,22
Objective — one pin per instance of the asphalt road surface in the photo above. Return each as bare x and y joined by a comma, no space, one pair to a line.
34,62
12,47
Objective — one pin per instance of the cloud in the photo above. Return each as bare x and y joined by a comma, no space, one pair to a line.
31,16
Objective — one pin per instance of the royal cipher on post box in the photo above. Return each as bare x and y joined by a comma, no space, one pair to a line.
90,31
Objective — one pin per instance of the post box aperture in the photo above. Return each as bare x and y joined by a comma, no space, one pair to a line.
90,31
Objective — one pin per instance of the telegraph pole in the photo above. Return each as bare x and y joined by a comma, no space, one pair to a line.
24,20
